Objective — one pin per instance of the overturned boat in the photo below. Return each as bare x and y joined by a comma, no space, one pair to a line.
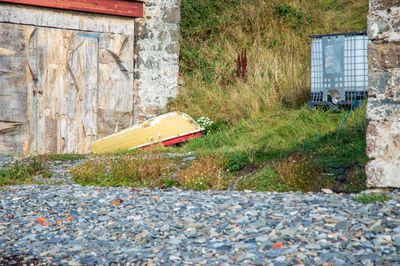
168,129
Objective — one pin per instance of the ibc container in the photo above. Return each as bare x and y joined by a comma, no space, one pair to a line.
339,69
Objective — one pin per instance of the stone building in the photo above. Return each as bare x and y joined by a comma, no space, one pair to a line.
383,108
75,71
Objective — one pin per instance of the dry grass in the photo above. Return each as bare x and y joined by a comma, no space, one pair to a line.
152,170
149,170
275,35
300,172
204,173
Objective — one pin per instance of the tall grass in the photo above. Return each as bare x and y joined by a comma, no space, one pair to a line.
275,34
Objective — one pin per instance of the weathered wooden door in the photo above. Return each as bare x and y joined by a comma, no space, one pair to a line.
116,84
62,89
64,98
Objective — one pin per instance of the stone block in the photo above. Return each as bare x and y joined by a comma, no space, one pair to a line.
383,110
150,3
172,15
393,88
384,85
383,4
378,27
384,24
378,81
383,140
383,173
173,48
174,34
383,107
383,56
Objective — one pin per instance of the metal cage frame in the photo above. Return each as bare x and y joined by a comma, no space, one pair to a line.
339,69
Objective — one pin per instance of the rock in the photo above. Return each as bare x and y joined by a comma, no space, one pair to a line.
342,226
331,221
273,253
327,191
315,228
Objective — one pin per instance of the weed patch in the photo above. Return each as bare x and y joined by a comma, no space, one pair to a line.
22,171
64,157
266,179
236,161
301,172
372,198
292,16
125,170
206,172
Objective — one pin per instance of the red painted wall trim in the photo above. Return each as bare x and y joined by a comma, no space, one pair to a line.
126,8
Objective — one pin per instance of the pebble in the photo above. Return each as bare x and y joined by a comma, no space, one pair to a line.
70,224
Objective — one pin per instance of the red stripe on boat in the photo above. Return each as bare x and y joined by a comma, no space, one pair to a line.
175,140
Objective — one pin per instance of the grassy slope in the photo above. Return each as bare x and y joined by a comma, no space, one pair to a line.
265,116
263,122
275,34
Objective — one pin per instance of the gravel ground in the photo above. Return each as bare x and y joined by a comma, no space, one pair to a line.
71,224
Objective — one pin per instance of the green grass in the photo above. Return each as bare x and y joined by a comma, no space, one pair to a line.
22,171
266,179
236,161
65,157
265,117
312,134
372,198
302,149
124,170
263,136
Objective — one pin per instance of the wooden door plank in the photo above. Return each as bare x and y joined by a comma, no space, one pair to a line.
32,88
115,82
12,73
12,88
52,52
83,79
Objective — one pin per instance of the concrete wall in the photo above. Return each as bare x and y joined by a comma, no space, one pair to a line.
157,57
383,109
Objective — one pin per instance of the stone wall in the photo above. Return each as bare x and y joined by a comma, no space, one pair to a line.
157,57
383,108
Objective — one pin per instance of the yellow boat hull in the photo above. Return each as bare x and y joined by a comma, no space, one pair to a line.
168,129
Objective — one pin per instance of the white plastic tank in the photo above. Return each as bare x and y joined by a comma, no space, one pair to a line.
339,69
